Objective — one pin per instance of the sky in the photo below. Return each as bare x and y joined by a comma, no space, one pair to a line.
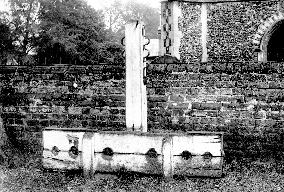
99,4
3,5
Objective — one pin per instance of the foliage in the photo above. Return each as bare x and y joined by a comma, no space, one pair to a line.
24,27
6,41
70,30
111,52
55,31
117,15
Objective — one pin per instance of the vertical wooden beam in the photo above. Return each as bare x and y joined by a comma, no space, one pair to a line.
204,32
87,154
136,100
167,150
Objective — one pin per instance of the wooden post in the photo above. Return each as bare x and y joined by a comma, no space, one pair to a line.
136,100
167,150
87,154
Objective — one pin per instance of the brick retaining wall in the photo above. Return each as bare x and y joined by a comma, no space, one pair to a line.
244,100
78,96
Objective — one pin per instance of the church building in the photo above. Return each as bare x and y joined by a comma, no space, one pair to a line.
223,30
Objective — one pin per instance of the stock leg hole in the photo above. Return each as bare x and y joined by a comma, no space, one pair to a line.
73,152
186,155
108,151
55,150
152,153
207,156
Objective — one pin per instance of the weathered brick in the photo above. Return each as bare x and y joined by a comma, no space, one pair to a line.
178,112
10,121
160,91
181,106
117,97
10,109
75,110
53,122
44,123
43,116
32,122
76,123
85,103
234,93
199,113
210,106
157,98
19,121
59,109
85,123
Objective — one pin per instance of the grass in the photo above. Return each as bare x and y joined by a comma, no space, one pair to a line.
255,176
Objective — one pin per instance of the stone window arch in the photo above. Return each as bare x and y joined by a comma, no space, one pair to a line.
265,32
263,54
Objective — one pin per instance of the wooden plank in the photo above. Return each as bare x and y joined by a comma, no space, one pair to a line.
128,143
197,166
73,129
190,133
201,173
197,144
130,162
197,162
136,100
63,140
61,161
56,164
129,151
168,157
87,155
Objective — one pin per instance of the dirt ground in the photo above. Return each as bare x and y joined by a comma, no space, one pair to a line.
253,176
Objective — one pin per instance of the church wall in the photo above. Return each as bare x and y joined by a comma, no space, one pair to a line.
190,26
231,29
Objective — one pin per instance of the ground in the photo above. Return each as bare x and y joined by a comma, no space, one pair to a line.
253,176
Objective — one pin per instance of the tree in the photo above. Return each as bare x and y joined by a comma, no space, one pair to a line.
24,25
117,15
150,16
56,31
71,31
6,43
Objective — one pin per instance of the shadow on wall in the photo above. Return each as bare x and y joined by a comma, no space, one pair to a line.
12,149
10,155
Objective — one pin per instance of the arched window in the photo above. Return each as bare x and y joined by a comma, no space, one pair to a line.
272,43
275,44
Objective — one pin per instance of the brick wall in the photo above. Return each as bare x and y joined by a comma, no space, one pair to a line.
32,98
244,100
